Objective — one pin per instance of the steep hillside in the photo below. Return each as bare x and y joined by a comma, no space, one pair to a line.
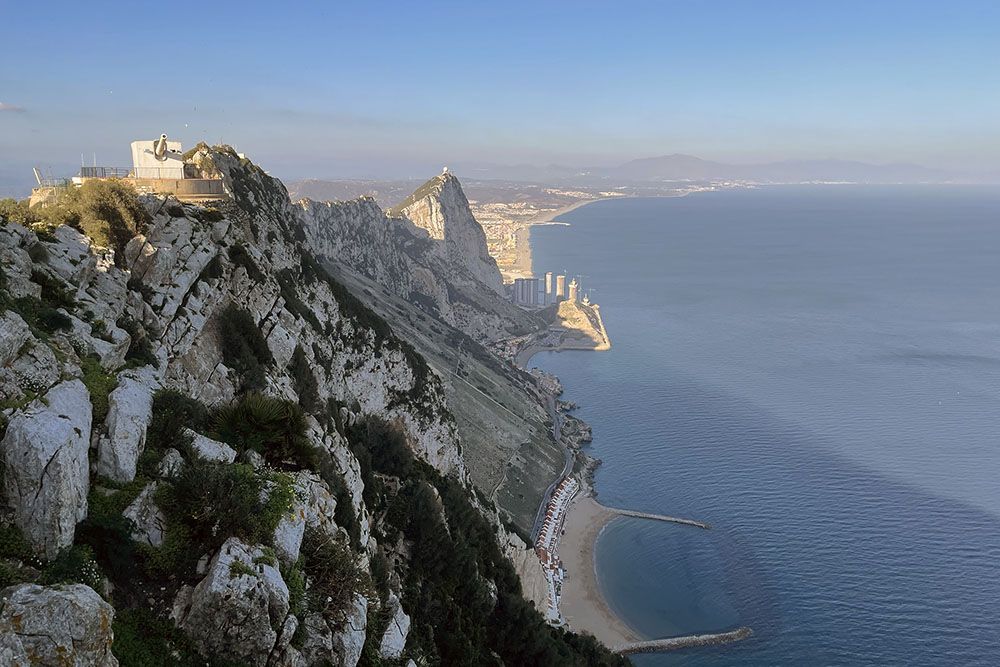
212,450
405,274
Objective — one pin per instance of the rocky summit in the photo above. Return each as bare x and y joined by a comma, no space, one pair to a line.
229,435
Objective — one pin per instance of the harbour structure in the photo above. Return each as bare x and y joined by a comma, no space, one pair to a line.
158,167
560,288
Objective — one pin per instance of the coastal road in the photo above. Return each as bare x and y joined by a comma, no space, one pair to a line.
567,467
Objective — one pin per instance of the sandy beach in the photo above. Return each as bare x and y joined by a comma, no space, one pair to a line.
582,603
522,266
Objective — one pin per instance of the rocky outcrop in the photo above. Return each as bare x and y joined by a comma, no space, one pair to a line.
440,207
147,519
349,641
130,407
322,645
46,471
60,625
441,263
210,450
394,639
239,608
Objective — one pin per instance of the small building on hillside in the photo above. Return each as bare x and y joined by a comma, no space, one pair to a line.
158,167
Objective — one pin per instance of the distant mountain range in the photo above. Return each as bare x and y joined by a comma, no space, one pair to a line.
679,167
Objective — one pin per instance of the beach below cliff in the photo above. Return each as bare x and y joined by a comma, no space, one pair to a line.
582,603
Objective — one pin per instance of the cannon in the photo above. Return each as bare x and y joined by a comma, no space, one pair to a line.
160,148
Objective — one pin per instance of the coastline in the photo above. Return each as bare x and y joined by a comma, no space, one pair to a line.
523,266
576,598
583,604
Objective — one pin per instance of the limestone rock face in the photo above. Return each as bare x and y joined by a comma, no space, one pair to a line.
59,625
171,463
130,408
148,519
394,639
15,262
14,333
323,646
239,608
47,475
440,207
211,450
350,640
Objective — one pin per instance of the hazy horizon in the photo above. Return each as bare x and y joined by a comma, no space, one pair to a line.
399,91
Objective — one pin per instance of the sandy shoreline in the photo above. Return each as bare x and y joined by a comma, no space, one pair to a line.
582,604
523,266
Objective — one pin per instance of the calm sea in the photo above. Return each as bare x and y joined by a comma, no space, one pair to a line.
814,371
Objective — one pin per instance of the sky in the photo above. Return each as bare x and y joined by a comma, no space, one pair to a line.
380,89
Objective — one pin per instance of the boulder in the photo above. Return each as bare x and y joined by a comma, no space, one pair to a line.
59,625
170,464
350,640
238,609
394,639
35,367
149,521
130,409
14,333
319,505
211,450
47,476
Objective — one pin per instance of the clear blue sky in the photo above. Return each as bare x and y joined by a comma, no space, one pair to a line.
332,89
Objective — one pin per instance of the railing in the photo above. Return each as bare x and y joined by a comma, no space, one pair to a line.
178,172
104,172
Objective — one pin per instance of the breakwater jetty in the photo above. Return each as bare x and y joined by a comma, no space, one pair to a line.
688,641
660,517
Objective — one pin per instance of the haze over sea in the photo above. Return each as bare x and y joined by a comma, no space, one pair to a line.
814,371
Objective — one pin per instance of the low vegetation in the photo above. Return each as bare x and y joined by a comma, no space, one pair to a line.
107,211
454,554
274,428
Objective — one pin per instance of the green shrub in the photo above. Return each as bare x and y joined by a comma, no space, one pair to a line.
142,639
344,514
211,215
334,576
295,579
290,286
304,381
140,350
54,292
99,383
172,413
43,319
272,427
107,211
244,348
18,212
453,555
73,565
110,540
13,544
214,501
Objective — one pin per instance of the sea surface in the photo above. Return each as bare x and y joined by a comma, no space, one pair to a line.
815,372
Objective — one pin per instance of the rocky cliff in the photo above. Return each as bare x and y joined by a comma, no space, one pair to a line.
244,461
437,260
440,207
